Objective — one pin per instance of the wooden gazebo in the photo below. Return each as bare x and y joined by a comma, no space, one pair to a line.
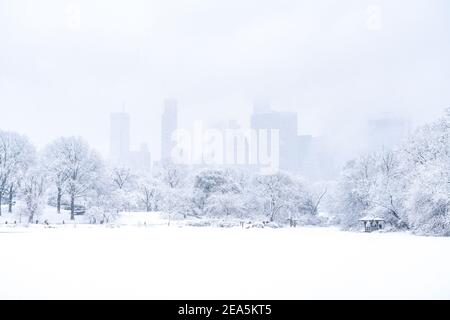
373,223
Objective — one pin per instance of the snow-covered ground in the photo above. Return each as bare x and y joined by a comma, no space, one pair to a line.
218,263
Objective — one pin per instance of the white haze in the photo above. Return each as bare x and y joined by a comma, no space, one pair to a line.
65,65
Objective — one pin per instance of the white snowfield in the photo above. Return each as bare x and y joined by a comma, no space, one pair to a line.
161,262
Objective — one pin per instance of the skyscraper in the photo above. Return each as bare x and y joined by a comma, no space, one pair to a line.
141,159
169,123
387,131
286,124
261,106
120,138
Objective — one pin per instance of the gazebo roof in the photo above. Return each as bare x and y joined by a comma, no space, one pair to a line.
375,214
371,218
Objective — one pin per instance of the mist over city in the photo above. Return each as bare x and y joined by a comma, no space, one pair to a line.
335,64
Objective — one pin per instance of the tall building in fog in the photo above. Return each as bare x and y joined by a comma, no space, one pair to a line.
234,144
120,138
169,123
319,158
387,131
287,125
141,159
261,106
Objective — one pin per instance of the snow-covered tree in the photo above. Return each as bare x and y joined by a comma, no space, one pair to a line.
176,203
54,163
32,193
209,182
408,185
149,194
274,192
16,155
123,200
428,163
77,169
227,204
122,177
305,198
428,200
390,187
173,175
373,183
100,214
354,189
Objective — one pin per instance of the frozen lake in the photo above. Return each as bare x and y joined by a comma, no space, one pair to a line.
211,263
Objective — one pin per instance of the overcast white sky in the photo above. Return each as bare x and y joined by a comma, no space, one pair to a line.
65,65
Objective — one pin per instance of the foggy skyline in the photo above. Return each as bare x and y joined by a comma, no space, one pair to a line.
66,65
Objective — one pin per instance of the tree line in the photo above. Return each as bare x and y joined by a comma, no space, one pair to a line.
69,174
408,186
